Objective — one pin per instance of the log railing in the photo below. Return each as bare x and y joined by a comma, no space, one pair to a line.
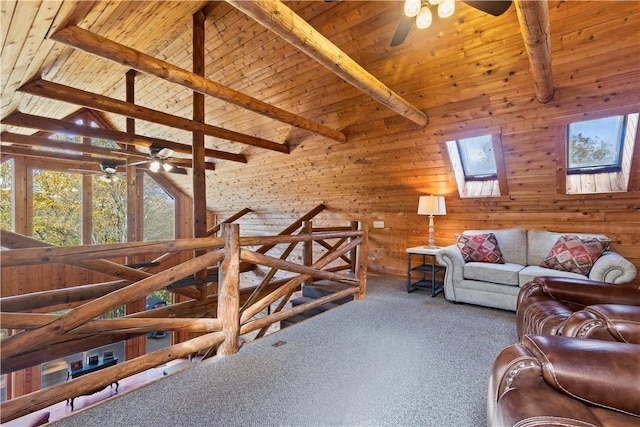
221,317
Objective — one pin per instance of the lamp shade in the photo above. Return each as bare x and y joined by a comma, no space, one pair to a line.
432,205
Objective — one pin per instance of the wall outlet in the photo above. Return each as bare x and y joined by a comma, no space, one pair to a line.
378,224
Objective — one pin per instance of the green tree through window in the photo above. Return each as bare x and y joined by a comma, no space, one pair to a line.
57,207
5,195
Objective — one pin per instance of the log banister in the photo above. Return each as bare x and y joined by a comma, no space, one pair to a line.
218,316
31,339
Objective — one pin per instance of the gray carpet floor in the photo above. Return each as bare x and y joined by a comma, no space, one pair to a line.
393,359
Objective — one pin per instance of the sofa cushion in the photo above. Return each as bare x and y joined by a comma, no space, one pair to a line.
540,242
530,272
504,274
512,243
479,248
575,254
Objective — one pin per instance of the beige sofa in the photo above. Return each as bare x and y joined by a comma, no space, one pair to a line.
497,285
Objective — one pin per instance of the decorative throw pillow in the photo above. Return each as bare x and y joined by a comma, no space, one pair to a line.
479,248
575,254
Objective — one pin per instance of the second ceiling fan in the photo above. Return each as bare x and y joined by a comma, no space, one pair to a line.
418,12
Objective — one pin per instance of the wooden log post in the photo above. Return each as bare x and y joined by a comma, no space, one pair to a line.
353,225
307,249
229,290
363,256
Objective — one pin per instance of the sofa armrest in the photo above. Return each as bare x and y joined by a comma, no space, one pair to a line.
613,268
451,258
609,322
601,373
519,395
580,291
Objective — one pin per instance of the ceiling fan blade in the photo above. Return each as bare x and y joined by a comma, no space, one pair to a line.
138,163
178,170
164,153
495,8
402,30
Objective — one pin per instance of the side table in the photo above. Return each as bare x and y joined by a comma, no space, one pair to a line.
427,268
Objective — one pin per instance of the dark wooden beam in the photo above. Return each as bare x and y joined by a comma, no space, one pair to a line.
72,95
277,17
100,46
60,126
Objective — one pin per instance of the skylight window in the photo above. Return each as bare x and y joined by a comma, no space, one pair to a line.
477,157
600,156
477,164
595,146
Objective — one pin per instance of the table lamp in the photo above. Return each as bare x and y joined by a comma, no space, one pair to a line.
431,205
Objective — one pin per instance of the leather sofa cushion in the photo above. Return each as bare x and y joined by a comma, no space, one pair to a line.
504,274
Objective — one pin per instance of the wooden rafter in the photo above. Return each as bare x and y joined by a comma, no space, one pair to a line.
95,101
277,17
534,25
61,126
100,46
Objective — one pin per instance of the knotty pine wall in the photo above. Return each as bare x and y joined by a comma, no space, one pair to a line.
389,162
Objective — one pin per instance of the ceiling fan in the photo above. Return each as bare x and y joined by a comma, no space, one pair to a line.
108,172
418,13
160,158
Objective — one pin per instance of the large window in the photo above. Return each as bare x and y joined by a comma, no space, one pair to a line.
57,207
109,211
159,211
6,169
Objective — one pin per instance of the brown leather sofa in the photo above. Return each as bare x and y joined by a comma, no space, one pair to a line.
560,381
579,308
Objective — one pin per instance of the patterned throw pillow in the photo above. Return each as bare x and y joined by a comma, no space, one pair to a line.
575,254
479,248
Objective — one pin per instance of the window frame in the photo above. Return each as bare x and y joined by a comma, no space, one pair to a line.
463,161
495,187
602,168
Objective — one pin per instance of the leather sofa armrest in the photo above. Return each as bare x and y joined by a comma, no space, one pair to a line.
609,322
583,292
613,268
518,395
600,373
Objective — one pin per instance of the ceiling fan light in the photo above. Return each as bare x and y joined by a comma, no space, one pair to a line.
446,8
424,18
412,7
434,2
154,166
167,166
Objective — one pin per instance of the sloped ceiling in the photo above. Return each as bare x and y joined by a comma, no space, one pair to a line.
246,57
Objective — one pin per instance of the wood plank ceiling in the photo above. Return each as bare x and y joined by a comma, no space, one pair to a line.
242,57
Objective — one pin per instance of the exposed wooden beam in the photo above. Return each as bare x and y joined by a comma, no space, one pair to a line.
60,126
277,17
38,141
72,95
46,154
533,16
100,46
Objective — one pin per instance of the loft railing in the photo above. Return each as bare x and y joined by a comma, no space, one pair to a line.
221,316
